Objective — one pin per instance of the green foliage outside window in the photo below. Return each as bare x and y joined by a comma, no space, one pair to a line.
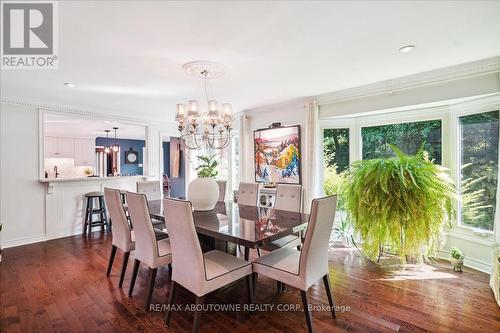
406,136
336,148
479,169
334,183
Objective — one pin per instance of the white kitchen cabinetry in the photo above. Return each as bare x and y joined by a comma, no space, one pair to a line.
51,149
59,147
84,152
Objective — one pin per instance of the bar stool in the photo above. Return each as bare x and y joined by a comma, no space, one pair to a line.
92,210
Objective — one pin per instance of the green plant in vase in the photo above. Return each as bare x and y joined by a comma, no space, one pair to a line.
207,166
401,202
344,231
203,192
457,259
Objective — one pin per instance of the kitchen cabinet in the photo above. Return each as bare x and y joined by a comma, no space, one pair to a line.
51,148
59,147
84,152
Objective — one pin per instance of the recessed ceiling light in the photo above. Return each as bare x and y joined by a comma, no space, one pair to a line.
69,84
406,48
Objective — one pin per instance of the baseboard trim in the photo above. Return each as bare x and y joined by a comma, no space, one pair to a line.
23,241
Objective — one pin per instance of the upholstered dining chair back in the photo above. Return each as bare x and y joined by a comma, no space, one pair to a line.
187,258
289,197
151,188
314,256
146,248
122,237
248,194
222,190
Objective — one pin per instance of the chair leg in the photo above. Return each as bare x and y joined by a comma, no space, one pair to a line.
255,276
326,282
197,314
134,276
124,268
111,259
171,302
258,252
247,253
250,288
152,278
307,313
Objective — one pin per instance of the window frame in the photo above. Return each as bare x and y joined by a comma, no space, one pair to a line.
467,109
341,123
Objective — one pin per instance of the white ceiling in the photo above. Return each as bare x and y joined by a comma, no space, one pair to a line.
126,57
89,128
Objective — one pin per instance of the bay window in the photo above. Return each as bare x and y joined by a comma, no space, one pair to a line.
478,163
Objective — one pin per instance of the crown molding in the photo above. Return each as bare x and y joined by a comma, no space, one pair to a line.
301,101
438,76
85,113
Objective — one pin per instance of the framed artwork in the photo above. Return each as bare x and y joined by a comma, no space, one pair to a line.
131,157
277,155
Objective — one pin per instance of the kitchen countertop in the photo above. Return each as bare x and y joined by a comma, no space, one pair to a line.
85,179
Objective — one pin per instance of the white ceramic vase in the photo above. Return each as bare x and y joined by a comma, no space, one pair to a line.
203,192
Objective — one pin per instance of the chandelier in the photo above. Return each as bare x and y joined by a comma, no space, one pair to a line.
208,128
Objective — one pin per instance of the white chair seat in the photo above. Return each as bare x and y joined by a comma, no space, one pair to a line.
218,263
281,265
221,269
289,241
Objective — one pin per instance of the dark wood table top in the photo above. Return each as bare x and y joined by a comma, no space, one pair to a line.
246,225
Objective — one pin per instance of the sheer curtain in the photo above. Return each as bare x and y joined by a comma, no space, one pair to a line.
311,163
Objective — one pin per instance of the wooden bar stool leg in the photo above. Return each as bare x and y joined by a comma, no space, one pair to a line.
91,213
86,219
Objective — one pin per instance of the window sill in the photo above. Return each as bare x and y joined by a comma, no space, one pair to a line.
470,234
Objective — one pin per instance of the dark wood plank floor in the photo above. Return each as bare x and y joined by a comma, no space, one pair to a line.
60,286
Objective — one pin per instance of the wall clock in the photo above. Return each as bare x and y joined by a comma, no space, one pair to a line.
131,157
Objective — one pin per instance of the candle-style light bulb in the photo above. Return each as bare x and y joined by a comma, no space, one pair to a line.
181,112
193,109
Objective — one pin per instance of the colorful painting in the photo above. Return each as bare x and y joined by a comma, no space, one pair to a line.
277,155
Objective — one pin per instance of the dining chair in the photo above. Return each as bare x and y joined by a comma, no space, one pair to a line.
222,190
148,250
289,198
303,269
200,273
123,237
248,194
151,188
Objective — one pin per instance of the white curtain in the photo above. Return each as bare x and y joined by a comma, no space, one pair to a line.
244,155
311,157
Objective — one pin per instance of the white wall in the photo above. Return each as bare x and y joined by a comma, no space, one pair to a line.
22,198
30,214
294,112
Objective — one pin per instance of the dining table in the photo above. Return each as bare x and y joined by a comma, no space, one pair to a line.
248,226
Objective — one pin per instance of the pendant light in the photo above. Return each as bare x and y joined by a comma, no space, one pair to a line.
116,146
107,148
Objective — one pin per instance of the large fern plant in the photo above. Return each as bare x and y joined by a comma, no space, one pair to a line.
403,202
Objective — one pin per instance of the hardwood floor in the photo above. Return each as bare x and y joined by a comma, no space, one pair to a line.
61,286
